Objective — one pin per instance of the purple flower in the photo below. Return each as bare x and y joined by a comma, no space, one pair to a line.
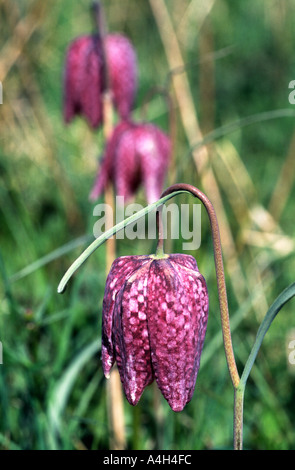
154,320
83,80
135,154
84,76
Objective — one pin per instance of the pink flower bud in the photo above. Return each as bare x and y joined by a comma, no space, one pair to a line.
135,154
155,314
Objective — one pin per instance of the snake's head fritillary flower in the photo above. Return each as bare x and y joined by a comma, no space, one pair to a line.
155,313
136,154
89,59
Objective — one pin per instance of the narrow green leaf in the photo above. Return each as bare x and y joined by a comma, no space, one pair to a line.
62,390
244,122
39,263
280,301
109,233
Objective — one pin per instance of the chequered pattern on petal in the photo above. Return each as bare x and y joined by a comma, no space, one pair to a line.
187,261
121,269
177,321
131,335
155,314
122,69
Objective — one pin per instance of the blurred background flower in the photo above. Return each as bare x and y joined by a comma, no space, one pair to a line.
136,154
92,64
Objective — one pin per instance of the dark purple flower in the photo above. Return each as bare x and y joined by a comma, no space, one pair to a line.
84,76
135,154
155,313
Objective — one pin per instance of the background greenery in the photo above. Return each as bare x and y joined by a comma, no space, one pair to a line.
237,61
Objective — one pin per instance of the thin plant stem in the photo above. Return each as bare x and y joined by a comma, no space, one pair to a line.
272,312
221,285
238,417
223,303
164,92
105,236
222,293
239,384
174,190
114,387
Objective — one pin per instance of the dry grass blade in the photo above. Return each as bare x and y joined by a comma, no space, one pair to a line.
193,133
284,184
114,387
246,203
180,81
116,411
196,13
22,32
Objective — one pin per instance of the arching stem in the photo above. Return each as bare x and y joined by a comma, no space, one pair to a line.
221,285
172,191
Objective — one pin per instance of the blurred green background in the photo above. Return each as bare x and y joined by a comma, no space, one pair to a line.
232,63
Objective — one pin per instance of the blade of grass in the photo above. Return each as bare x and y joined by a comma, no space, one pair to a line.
61,251
60,394
190,122
243,122
272,312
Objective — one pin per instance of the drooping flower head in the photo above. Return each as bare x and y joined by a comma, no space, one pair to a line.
84,80
136,153
89,60
155,313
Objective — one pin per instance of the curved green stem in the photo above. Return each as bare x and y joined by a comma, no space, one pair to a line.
222,294
168,194
238,417
272,312
238,383
109,233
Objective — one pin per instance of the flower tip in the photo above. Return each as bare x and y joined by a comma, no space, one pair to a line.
177,408
92,196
